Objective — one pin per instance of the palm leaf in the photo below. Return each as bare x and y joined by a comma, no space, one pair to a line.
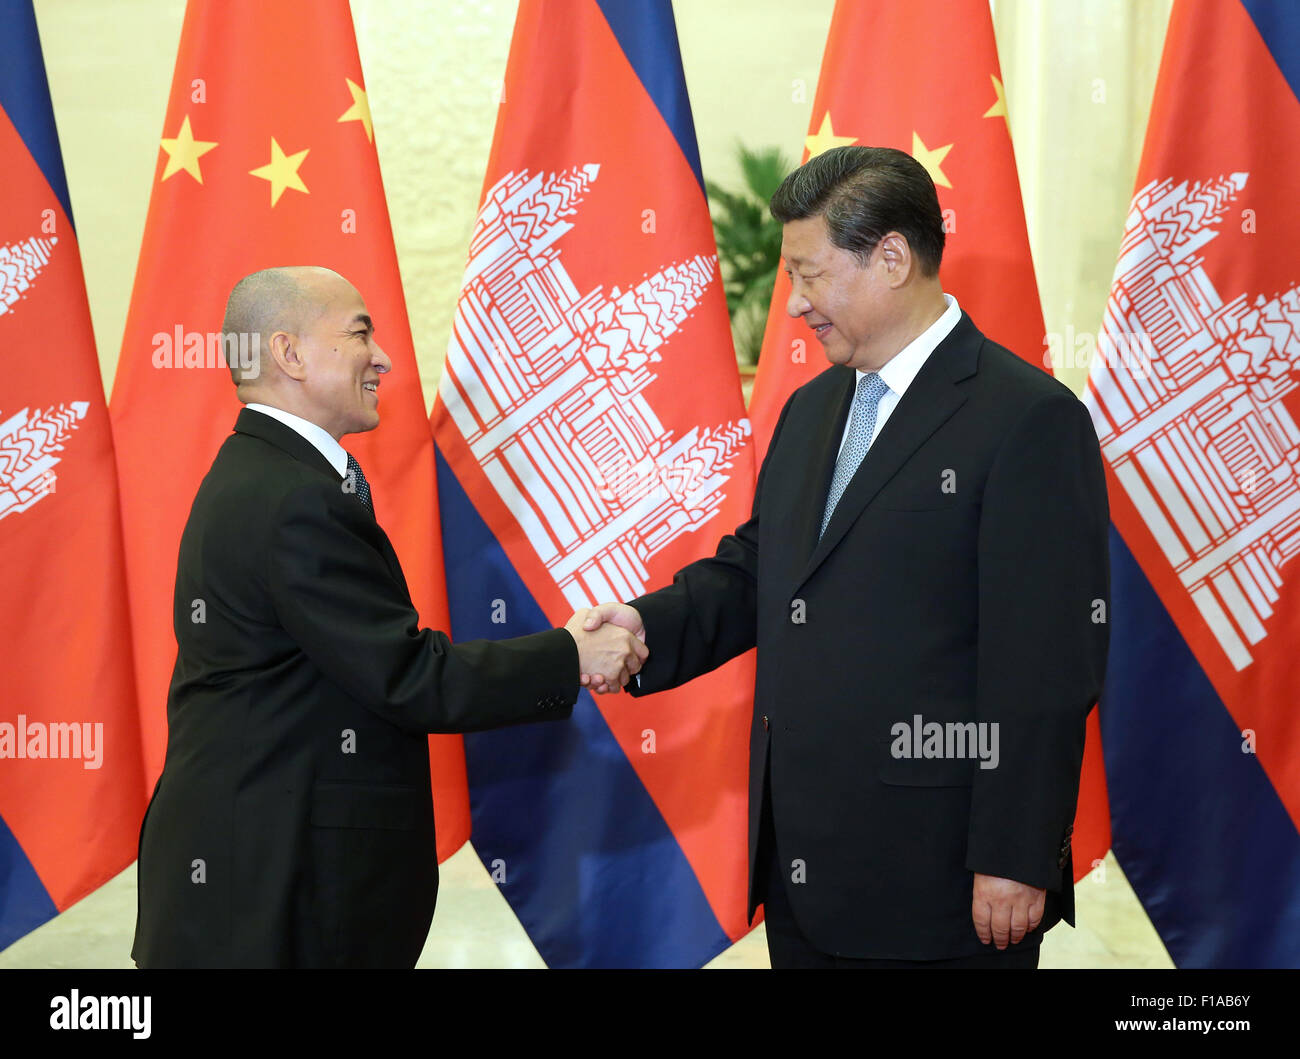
749,244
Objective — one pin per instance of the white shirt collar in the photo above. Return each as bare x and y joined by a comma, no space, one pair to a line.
908,361
318,436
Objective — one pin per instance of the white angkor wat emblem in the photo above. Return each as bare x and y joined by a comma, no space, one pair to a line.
1200,437
19,264
546,385
27,448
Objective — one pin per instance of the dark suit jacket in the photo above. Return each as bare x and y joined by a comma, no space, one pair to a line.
962,578
292,824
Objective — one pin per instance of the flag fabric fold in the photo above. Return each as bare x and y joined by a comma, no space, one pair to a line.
71,786
592,439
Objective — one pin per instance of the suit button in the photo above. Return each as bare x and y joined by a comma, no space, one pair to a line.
766,724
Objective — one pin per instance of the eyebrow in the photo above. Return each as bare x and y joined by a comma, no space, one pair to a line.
361,318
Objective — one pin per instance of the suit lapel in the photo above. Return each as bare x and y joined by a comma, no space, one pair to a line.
929,401
271,430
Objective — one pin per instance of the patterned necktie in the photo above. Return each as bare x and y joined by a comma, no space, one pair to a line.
355,482
871,388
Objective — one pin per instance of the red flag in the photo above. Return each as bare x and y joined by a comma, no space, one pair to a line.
591,417
953,120
263,164
71,790
1195,394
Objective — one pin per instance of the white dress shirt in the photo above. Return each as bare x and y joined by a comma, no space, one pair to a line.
318,436
903,368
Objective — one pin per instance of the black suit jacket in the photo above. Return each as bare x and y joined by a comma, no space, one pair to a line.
292,824
963,579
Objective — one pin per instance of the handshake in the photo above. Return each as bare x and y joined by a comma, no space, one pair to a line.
611,645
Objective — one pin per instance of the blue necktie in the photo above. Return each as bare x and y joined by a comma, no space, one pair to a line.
871,388
357,483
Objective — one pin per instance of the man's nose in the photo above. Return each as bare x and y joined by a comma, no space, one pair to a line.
380,360
796,305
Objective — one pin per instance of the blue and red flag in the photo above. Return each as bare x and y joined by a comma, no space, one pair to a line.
592,439
1195,393
71,784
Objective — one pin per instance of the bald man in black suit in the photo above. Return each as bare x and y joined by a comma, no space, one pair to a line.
293,824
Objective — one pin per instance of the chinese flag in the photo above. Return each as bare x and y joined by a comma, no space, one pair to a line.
71,794
263,163
952,117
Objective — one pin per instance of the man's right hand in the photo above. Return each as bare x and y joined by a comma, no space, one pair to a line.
621,615
608,653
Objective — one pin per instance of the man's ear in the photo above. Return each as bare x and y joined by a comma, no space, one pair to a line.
896,255
287,354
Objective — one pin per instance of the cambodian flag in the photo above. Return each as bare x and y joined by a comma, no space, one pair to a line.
592,440
1195,393
71,782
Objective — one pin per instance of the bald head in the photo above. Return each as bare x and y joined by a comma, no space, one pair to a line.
275,299
316,354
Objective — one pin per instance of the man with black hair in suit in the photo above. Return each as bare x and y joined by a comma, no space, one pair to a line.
925,577
292,825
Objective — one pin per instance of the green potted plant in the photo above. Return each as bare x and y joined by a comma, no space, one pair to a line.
749,246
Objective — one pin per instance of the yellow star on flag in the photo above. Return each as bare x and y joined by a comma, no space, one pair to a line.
999,108
282,172
184,152
932,160
360,109
824,139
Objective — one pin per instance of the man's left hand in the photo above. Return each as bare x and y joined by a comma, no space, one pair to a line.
1005,910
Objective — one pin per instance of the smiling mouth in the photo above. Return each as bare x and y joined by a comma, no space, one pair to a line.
373,387
821,330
